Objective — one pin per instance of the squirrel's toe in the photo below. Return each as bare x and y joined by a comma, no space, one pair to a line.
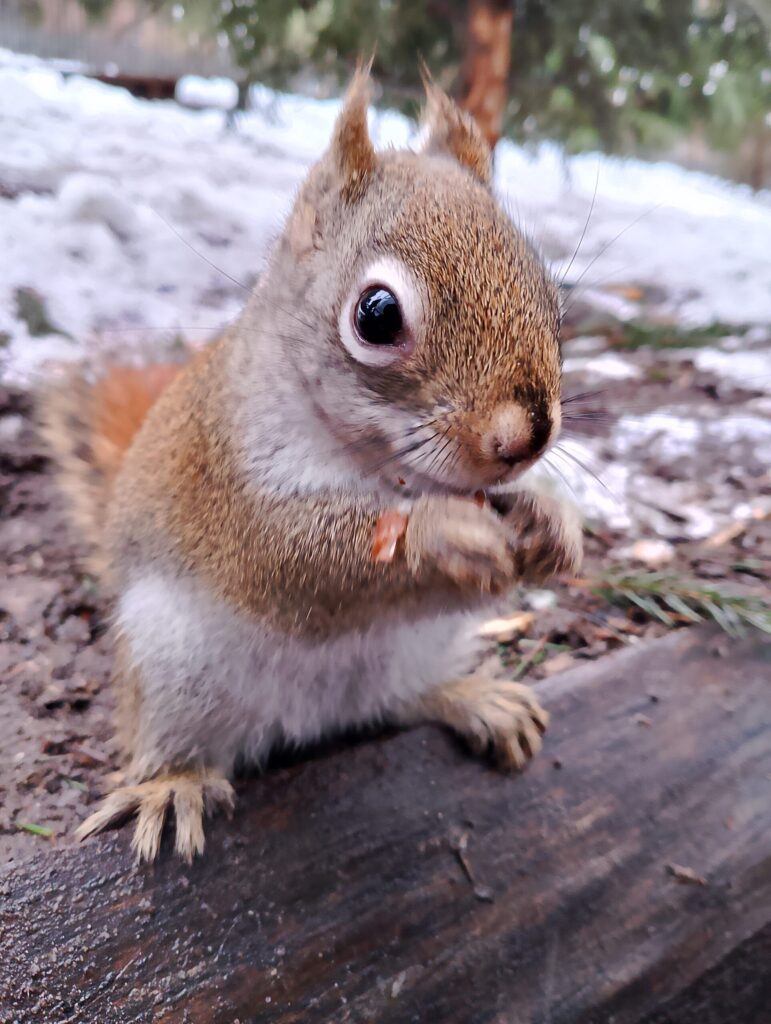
190,794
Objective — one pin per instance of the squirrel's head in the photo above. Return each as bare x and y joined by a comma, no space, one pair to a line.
423,325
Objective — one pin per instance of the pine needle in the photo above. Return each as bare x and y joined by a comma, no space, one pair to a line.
37,830
673,600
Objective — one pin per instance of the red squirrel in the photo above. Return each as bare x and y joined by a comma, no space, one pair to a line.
400,354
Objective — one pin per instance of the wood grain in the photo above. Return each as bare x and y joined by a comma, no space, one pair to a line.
337,893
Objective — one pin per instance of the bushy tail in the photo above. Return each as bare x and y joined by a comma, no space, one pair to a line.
89,427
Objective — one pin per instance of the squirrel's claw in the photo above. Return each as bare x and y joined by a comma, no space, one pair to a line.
495,716
189,793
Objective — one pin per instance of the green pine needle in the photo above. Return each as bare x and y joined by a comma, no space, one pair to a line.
672,599
37,830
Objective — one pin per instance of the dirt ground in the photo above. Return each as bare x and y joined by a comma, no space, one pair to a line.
55,732
56,744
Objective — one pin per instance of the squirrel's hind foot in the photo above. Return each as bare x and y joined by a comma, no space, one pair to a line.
190,794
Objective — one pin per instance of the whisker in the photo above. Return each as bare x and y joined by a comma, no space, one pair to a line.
584,395
454,460
397,455
377,439
588,419
623,231
295,316
554,470
432,466
577,292
452,455
583,431
586,225
582,465
588,414
192,248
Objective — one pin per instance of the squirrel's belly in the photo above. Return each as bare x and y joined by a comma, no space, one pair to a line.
215,684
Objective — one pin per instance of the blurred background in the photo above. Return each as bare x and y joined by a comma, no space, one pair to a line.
150,151
688,79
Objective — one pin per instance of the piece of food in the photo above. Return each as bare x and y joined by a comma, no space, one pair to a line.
389,529
503,631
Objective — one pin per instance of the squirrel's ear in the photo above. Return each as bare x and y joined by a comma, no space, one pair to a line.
454,133
351,149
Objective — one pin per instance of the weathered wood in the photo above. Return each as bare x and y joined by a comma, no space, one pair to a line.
335,895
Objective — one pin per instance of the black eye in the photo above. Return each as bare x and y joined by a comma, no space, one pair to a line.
378,317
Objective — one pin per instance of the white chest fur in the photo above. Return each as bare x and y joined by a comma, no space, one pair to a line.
216,685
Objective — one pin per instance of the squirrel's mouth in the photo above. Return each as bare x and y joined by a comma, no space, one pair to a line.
500,497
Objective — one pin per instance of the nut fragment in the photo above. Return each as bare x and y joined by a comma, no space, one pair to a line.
389,529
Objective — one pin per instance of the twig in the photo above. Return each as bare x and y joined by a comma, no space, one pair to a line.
530,658
459,845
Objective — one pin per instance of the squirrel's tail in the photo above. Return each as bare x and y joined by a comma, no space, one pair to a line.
89,427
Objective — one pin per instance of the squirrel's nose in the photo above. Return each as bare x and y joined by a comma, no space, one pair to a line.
511,452
513,435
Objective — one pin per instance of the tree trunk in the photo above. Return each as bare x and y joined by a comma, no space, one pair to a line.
758,165
486,65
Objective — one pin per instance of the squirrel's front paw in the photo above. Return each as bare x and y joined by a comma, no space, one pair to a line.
495,716
544,534
468,544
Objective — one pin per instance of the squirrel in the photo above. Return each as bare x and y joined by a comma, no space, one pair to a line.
399,354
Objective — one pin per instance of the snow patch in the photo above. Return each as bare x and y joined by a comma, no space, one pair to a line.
194,91
607,366
674,434
748,369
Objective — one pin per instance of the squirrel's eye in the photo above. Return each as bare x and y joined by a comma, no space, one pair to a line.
378,317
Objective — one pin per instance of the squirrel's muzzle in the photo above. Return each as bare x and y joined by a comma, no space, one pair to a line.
516,434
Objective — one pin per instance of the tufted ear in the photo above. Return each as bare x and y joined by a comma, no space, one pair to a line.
454,133
351,150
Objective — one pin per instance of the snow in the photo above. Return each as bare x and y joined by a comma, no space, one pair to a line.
746,369
608,366
194,91
118,212
107,189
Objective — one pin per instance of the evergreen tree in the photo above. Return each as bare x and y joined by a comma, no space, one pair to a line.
620,75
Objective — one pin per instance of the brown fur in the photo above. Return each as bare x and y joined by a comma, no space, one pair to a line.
303,562
354,153
88,428
454,133
190,492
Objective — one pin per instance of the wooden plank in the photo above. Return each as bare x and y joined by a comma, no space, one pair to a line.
336,895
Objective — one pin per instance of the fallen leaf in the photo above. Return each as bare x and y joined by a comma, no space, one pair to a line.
727,534
623,624
632,292
504,630
686,876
